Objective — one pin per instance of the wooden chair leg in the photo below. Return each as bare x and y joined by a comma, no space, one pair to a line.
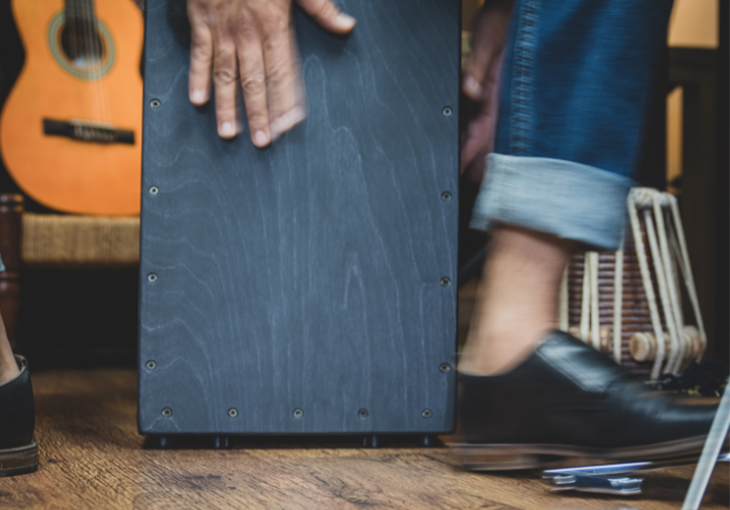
11,211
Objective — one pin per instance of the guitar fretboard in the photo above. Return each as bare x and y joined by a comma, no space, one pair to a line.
80,34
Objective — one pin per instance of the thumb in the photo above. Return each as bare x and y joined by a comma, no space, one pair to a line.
328,15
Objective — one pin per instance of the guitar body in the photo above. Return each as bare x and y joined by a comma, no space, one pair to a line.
58,130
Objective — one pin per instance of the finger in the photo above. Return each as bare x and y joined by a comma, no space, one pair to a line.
253,83
328,15
283,79
201,59
477,69
225,83
487,44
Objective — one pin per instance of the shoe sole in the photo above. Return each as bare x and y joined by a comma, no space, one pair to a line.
508,457
19,461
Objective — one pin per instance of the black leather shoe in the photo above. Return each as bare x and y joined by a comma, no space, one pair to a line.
18,452
567,399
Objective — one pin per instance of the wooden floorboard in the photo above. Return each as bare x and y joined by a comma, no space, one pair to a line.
92,457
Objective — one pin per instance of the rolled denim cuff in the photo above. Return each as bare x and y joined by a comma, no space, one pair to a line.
569,200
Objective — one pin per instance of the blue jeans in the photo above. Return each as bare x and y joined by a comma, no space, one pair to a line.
574,104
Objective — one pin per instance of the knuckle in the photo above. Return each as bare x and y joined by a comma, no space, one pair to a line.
257,119
224,23
253,84
274,19
276,73
225,68
201,53
246,28
224,76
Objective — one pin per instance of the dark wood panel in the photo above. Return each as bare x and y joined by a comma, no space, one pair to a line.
309,275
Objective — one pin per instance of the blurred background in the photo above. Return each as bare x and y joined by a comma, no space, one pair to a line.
70,293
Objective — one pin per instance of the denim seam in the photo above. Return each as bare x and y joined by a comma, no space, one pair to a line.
521,121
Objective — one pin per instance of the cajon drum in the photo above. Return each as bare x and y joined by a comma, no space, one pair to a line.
310,287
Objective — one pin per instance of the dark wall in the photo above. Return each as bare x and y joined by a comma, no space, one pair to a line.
722,299
11,61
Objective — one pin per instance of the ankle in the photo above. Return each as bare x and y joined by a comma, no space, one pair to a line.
495,353
8,370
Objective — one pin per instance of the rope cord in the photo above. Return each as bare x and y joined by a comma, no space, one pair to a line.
686,268
595,316
585,301
663,291
671,303
634,197
563,310
618,295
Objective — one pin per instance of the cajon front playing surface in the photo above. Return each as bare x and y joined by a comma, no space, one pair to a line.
309,287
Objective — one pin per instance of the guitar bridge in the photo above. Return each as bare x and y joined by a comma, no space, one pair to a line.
87,131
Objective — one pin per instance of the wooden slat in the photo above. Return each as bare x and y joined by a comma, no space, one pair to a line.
51,240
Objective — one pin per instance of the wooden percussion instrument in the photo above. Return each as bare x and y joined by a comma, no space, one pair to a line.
628,303
310,287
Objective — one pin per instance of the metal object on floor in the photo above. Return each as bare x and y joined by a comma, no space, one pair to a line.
617,486
607,479
708,459
629,467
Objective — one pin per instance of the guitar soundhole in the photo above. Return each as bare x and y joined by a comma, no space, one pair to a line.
82,47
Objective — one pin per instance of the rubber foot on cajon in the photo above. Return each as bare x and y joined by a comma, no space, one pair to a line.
370,441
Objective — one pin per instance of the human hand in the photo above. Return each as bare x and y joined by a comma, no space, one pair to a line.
481,84
254,41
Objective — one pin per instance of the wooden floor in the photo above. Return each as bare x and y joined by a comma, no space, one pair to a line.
92,457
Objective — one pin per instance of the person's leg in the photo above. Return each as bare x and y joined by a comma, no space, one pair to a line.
8,365
575,94
517,299
18,452
572,113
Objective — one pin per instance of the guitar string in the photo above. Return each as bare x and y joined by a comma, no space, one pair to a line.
77,39
90,47
95,58
82,58
72,33
102,80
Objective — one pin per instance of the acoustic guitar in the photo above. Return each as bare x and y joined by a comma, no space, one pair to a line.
70,131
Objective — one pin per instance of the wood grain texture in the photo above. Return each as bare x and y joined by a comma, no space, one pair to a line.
92,457
307,275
